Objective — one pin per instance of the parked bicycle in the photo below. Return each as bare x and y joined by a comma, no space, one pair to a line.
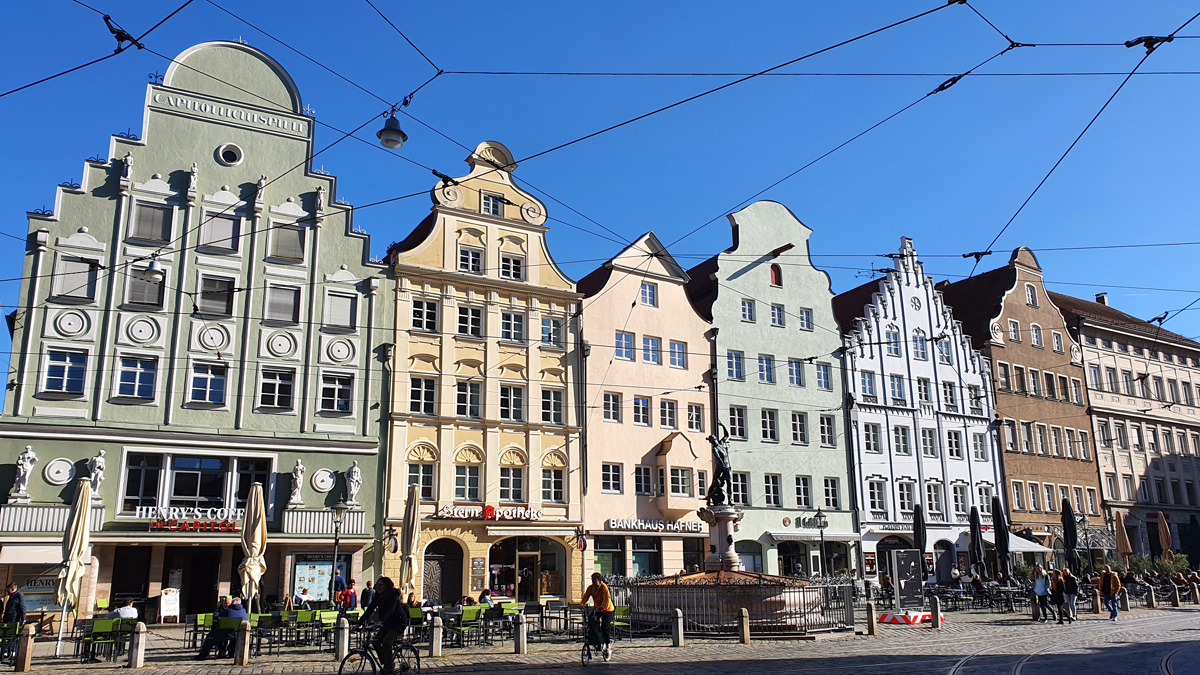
365,661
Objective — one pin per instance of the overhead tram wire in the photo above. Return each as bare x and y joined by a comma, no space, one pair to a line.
1151,47
410,42
120,48
943,87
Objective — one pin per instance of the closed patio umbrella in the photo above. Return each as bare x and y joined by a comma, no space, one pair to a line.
1070,535
409,531
75,551
919,537
1000,525
1122,536
976,549
1164,537
254,545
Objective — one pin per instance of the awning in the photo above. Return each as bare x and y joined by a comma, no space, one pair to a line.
531,532
31,554
811,536
1017,544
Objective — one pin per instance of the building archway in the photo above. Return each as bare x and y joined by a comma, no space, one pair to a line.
943,561
883,553
793,559
442,574
751,553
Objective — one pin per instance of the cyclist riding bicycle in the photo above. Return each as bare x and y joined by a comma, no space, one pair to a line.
600,596
393,620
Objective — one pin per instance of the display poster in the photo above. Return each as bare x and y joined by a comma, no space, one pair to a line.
312,571
38,588
175,578
869,566
168,603
909,586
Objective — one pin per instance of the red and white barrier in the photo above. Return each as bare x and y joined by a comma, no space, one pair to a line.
908,618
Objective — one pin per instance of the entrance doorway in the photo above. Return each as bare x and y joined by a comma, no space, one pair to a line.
792,559
130,577
943,560
443,571
196,570
883,555
527,575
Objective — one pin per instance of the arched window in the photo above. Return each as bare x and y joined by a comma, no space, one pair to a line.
776,275
1031,295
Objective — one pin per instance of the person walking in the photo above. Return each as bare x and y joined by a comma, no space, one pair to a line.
602,599
367,596
1041,588
1110,586
14,605
347,600
1058,596
393,621
1071,593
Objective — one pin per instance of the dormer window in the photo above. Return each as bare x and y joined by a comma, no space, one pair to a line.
1031,296
491,205
776,275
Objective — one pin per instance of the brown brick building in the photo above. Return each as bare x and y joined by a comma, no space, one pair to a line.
1041,398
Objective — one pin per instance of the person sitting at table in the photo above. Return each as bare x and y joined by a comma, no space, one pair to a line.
977,583
485,597
465,601
125,611
302,599
222,639
412,601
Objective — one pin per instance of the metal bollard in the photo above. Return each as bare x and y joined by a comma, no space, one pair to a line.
520,635
1174,595
25,649
677,629
744,626
1151,601
872,619
241,648
435,638
935,612
1096,602
341,639
137,646
848,602
1124,600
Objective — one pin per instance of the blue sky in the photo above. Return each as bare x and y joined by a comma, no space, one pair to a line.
949,172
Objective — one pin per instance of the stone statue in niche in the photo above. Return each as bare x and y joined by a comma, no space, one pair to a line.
25,462
127,165
297,484
320,198
96,468
353,483
192,179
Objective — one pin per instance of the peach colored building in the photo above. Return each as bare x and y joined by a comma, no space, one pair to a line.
646,457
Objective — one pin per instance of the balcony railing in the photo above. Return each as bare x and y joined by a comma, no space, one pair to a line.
43,518
320,521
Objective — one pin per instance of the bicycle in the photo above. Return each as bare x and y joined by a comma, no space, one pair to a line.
593,636
363,660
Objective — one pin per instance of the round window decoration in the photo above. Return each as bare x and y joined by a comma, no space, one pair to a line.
281,345
230,154
59,471
214,338
323,480
70,324
340,350
142,330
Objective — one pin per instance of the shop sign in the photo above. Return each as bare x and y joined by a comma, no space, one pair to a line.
191,519
639,525
193,526
489,512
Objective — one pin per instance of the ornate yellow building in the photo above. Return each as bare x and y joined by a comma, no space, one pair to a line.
484,399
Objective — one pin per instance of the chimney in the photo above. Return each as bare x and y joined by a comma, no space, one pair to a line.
1102,298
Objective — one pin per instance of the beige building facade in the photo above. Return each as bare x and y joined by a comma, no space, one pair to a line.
648,393
484,406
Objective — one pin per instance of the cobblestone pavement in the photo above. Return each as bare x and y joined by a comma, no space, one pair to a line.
1164,641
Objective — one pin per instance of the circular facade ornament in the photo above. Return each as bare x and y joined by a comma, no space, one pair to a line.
281,345
787,522
997,331
323,480
450,195
532,213
340,350
214,338
71,324
142,330
1076,354
915,302
59,471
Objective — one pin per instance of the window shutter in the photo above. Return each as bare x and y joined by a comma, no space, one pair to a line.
220,232
340,310
283,304
216,296
289,243
76,279
151,222
142,291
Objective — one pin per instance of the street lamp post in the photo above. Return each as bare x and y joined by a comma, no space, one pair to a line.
822,522
338,509
1087,539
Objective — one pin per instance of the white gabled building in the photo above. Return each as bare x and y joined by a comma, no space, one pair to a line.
920,412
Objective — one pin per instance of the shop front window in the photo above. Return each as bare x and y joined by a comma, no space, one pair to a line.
252,471
527,568
610,556
751,554
141,480
792,559
647,556
198,481
694,554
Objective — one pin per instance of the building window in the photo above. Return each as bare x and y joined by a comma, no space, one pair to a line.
975,399
929,446
1033,498
552,332
220,233
891,341
804,318
142,292
552,486
512,326
795,373
643,480
695,417
979,447
944,348
283,304
803,492
422,396
771,496
470,321
896,388
1092,503
737,422
777,316
906,496
612,407
641,411
735,366
867,386
208,384
1014,331
985,498
75,278
920,346
216,298
1018,496
610,477
872,441
876,499
900,440
961,500
678,354
824,377
142,475
425,315
137,377
512,484
1003,379
1056,441
1049,491
667,414
770,426
512,403
747,310
470,260
336,393
739,489
466,482
954,444
766,369
924,390
623,348
649,294
198,481
151,223
421,475
681,482
341,310
651,350
950,396
552,406
832,498
800,427
512,267
287,243
933,497
776,275
1056,340
65,371
249,472
491,205
828,430
1031,297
